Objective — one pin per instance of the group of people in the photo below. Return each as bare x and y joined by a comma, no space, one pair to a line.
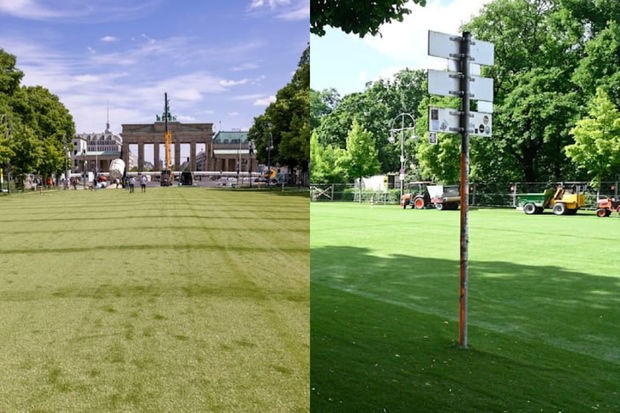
132,183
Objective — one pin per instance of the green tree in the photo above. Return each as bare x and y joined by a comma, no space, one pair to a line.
6,152
51,124
360,158
538,44
375,108
10,76
601,65
597,140
321,104
324,161
286,122
357,17
27,149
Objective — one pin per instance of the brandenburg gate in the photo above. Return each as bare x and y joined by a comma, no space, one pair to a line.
182,133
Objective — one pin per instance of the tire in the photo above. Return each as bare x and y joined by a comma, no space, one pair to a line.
529,208
559,209
418,203
439,206
602,213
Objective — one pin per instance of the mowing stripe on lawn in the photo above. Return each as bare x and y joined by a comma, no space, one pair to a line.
177,299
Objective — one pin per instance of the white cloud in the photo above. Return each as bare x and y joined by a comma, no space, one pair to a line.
230,83
406,41
109,39
264,101
284,9
245,66
271,3
87,78
233,114
30,9
69,10
248,97
183,118
299,13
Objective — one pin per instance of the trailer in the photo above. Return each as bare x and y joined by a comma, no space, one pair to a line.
444,197
424,195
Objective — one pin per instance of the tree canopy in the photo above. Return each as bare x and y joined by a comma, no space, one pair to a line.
35,127
359,17
550,58
597,140
286,122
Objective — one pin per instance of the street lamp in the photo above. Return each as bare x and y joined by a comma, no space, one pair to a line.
269,148
250,153
392,139
67,154
4,120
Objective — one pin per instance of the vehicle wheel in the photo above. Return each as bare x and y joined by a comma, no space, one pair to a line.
529,208
439,206
602,213
418,203
559,209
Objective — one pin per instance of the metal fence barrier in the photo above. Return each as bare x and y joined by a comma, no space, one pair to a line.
505,195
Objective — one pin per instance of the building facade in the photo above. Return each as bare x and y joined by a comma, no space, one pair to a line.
93,152
232,152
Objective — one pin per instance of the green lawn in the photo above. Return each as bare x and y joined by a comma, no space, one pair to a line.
544,312
173,300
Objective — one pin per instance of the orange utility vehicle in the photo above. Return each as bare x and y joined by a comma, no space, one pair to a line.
605,206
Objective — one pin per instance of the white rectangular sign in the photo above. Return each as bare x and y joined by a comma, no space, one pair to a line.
446,120
448,84
480,123
443,120
444,45
449,46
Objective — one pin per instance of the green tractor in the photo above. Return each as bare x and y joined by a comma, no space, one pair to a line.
561,200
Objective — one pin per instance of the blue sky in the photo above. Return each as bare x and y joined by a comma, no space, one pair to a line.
346,62
219,61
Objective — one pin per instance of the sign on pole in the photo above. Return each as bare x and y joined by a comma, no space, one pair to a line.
449,46
448,84
446,120
464,84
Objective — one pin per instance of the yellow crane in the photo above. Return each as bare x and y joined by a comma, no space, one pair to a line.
166,173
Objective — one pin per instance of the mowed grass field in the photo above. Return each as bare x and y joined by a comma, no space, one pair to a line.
544,311
173,300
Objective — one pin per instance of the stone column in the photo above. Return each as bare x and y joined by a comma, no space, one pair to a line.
156,166
125,151
140,156
177,153
192,156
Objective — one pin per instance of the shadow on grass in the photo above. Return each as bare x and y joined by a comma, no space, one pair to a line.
383,333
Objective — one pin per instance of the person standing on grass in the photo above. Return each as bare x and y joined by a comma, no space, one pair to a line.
132,184
143,183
